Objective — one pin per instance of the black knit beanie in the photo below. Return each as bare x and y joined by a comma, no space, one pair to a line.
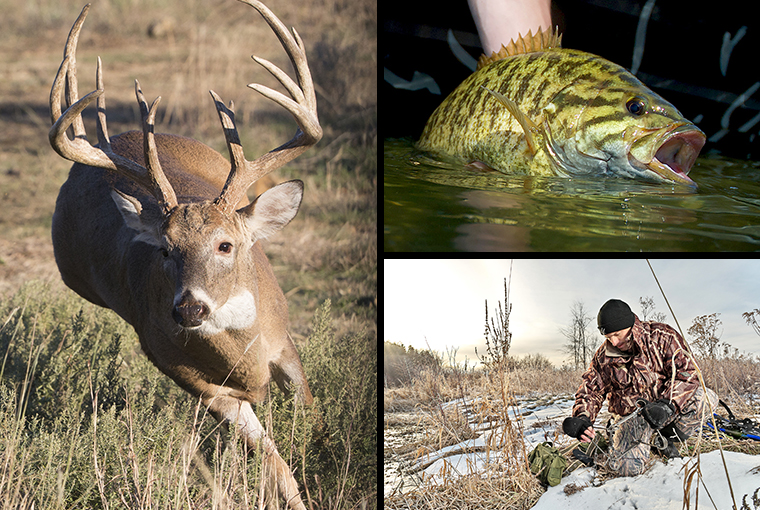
614,316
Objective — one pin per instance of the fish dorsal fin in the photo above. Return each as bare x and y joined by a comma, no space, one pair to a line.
543,40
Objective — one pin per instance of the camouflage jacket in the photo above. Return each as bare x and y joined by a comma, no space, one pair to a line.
658,353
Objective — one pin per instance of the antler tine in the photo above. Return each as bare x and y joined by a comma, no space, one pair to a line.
70,51
79,149
302,105
159,184
238,162
103,139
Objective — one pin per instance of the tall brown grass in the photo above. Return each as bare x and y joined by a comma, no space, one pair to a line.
86,421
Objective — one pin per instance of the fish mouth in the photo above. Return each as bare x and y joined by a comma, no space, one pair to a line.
678,150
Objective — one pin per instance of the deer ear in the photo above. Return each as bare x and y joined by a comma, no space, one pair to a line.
136,218
273,209
130,209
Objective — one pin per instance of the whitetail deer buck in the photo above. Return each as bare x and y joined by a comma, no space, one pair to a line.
158,228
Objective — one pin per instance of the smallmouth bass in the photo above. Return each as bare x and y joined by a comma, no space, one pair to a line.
536,108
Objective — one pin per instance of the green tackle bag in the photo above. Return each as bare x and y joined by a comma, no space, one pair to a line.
547,463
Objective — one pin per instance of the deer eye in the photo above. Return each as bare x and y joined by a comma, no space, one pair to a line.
164,252
225,247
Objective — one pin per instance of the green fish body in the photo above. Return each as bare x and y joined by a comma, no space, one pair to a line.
539,109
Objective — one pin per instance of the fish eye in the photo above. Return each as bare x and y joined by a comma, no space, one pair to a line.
636,106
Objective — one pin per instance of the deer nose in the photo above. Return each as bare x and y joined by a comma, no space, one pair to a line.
189,312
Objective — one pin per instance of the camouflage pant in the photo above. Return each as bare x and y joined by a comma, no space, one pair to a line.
690,422
630,444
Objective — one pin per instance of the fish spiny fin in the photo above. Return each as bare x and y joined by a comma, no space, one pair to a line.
542,40
528,126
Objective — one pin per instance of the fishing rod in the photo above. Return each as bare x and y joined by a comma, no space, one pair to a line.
701,380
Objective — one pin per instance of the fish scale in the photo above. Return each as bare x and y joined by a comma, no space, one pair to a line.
558,111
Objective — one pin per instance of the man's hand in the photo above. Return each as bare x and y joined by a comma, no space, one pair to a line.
658,414
587,435
579,428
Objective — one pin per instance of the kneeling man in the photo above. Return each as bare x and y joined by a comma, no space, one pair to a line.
644,362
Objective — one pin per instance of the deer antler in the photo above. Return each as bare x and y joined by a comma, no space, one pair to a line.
303,107
151,176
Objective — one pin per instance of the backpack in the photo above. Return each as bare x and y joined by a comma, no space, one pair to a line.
547,463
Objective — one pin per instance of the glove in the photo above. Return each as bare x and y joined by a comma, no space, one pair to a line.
658,414
575,427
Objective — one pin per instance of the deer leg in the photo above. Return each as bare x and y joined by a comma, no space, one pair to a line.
227,406
276,470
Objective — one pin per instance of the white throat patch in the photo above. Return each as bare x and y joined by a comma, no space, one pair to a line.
239,312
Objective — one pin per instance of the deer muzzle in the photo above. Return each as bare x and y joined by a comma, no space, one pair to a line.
190,312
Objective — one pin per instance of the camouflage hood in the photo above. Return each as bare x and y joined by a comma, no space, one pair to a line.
647,372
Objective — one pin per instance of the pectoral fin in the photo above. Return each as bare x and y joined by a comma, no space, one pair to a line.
529,127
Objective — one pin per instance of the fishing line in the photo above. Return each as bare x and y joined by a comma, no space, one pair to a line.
666,299
702,382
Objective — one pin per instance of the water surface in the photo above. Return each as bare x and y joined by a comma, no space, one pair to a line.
433,205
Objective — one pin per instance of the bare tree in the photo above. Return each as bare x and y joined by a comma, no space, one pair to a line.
703,331
580,345
647,310
750,318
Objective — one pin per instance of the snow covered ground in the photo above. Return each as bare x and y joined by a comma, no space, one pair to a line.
660,488
540,417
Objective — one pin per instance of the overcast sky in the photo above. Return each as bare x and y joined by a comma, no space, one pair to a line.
444,300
